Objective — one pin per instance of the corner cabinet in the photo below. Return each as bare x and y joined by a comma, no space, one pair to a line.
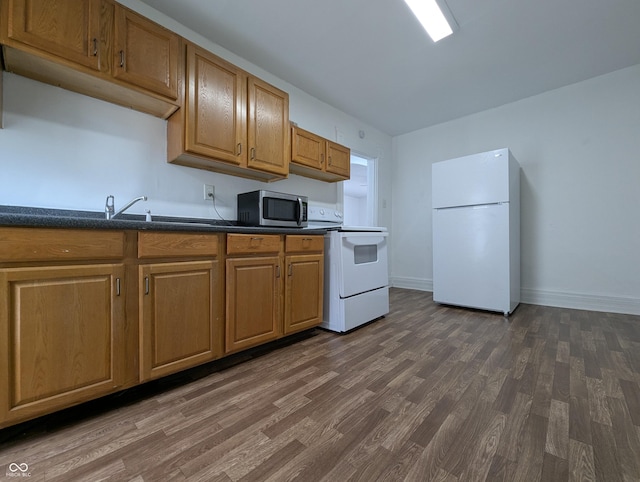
180,306
94,47
319,158
231,123
62,322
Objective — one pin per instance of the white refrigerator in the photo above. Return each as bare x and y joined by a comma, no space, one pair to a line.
476,231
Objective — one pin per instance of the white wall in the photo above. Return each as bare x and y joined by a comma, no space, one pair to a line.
355,211
59,149
579,149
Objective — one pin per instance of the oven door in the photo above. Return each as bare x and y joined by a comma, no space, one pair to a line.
363,262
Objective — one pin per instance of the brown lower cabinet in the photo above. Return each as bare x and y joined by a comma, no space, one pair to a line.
274,287
303,300
178,321
62,326
253,294
254,287
179,301
85,313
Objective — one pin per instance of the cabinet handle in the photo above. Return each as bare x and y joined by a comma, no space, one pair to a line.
256,239
146,285
239,148
117,286
321,158
253,153
329,160
122,58
95,47
278,271
290,270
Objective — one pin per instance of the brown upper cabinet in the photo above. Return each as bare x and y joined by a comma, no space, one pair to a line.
268,128
146,54
319,158
95,47
232,122
68,29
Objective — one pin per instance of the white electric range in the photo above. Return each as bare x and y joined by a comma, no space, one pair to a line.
356,273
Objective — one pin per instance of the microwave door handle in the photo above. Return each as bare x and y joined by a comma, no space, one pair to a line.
299,211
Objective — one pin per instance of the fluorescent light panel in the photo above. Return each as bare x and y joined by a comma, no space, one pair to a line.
431,17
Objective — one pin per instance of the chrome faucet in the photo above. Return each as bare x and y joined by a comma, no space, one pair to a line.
109,209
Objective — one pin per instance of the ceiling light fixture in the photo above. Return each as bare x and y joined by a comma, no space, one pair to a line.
432,18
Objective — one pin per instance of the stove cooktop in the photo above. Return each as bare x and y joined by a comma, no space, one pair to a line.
321,217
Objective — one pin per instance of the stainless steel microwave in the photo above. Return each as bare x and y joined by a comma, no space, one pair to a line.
268,208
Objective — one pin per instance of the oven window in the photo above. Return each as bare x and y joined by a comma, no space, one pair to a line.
367,253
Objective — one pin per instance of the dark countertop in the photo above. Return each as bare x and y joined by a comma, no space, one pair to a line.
20,216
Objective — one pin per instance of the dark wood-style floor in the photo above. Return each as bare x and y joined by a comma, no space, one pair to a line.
427,393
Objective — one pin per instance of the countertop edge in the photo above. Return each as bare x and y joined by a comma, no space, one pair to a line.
13,216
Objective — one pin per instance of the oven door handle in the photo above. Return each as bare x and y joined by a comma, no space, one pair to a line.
364,240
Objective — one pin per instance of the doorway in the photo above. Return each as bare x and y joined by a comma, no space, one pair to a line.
360,192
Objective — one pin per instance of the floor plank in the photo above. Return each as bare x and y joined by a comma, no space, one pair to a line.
429,392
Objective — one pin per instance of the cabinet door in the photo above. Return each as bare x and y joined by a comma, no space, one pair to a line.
145,54
307,148
215,108
338,159
61,337
66,28
177,316
268,128
253,294
303,293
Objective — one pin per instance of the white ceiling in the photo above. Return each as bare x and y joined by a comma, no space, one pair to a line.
371,59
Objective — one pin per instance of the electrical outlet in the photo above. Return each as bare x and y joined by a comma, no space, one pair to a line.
209,192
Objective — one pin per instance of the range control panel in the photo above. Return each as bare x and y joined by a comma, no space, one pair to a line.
321,214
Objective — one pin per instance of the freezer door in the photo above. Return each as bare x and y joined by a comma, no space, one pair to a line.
476,179
471,257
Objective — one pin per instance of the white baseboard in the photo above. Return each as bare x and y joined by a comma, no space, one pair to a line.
609,304
419,284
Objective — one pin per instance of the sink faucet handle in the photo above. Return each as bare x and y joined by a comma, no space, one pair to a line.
109,206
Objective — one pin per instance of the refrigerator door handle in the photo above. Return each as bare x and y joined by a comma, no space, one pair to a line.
472,206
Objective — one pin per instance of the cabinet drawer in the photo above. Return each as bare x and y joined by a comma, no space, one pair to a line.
252,243
41,244
301,243
170,245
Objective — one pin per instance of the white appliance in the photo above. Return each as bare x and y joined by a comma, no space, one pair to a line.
476,231
356,273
